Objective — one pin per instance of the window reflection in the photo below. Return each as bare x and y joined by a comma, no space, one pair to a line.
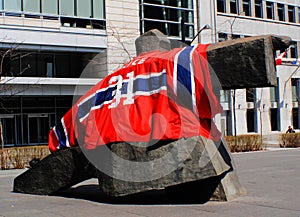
49,7
12,5
84,8
67,7
32,6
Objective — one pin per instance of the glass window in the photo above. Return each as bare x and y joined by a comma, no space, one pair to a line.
291,14
32,6
250,95
234,36
11,64
258,8
167,17
274,94
29,64
12,5
225,96
296,118
270,10
293,50
221,6
84,8
247,7
68,65
8,126
49,7
275,119
251,120
294,82
222,37
45,65
98,9
233,6
67,7
280,12
298,14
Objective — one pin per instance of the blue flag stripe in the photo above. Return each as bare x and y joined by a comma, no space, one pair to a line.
84,108
101,97
184,81
140,84
149,84
59,130
184,71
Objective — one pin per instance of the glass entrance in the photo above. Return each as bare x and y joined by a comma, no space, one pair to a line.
26,129
38,128
8,130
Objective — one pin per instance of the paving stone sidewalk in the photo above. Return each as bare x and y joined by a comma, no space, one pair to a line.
272,179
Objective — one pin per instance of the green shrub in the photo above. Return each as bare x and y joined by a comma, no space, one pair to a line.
290,140
244,143
19,157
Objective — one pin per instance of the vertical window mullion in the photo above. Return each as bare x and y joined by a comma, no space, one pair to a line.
58,7
92,9
75,8
298,14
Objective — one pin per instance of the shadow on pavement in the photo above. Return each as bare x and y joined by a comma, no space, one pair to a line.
92,192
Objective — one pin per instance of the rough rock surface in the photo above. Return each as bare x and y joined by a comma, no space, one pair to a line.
57,171
152,40
192,170
239,63
246,62
198,165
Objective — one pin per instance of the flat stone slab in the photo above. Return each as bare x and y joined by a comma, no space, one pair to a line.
193,168
59,170
246,62
239,63
194,164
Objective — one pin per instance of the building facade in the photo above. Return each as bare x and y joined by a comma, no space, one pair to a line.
44,46
260,110
52,50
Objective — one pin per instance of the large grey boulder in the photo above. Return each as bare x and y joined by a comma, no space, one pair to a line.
191,168
152,40
59,170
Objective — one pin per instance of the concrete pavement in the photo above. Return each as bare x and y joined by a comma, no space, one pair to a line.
272,179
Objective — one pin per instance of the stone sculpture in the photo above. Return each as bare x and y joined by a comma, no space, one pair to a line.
199,173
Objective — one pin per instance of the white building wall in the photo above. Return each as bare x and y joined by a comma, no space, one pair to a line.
285,73
123,27
263,113
43,34
250,26
240,108
263,104
207,15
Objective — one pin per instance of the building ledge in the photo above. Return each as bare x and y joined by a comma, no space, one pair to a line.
237,16
48,81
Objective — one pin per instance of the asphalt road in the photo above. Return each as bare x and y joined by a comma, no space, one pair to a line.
272,179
